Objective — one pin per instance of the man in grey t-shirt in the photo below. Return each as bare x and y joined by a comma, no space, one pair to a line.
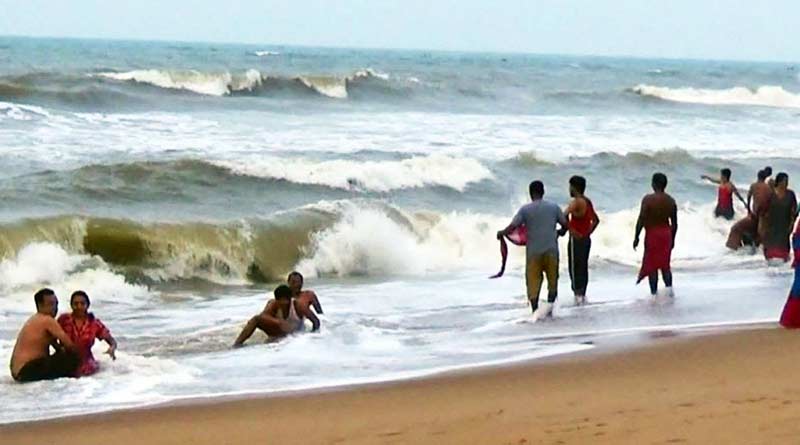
540,218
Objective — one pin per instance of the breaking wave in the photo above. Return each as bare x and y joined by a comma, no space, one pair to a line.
765,96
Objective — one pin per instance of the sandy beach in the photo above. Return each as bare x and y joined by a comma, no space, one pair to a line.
733,388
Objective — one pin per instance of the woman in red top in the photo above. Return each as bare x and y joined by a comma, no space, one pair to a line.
83,328
582,222
725,194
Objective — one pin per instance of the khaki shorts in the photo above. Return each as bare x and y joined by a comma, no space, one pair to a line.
537,267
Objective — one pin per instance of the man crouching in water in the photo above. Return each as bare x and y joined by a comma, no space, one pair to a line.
31,359
306,298
281,317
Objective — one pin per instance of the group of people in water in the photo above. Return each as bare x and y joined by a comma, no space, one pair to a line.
71,336
771,212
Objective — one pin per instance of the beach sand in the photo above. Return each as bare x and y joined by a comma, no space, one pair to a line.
737,387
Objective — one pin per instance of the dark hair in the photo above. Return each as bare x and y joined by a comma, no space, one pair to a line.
762,175
780,177
283,292
536,188
38,297
295,274
726,173
579,182
80,293
767,171
660,181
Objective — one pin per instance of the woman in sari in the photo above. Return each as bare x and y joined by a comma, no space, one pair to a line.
790,318
83,328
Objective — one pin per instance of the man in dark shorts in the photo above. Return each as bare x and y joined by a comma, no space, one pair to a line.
582,222
539,218
659,217
31,359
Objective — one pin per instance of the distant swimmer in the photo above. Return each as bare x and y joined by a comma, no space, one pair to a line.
779,220
540,218
83,328
582,222
307,299
725,194
746,231
31,359
658,216
282,316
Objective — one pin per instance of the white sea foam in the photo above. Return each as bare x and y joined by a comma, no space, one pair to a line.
767,96
379,176
266,53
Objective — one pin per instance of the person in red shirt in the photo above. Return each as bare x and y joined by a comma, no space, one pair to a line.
83,328
725,194
582,221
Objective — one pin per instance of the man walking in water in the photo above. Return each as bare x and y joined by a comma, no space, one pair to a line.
539,218
659,217
582,222
725,194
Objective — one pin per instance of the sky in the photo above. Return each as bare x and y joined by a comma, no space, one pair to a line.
698,29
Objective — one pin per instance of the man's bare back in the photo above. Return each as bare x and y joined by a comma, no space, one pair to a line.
657,209
34,340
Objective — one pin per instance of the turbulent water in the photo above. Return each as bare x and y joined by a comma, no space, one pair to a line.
178,183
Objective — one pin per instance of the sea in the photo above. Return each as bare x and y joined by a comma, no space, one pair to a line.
178,183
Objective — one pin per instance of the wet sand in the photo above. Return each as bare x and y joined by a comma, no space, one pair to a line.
736,387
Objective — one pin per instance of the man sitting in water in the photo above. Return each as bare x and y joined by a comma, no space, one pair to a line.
31,359
305,298
281,317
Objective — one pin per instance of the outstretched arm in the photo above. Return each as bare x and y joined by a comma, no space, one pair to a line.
710,179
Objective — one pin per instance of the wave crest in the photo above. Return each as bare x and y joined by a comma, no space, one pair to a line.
765,96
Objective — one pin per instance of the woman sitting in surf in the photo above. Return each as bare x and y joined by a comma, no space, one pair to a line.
83,328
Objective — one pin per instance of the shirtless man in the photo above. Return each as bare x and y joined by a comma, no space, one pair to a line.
31,359
659,217
281,317
749,229
306,298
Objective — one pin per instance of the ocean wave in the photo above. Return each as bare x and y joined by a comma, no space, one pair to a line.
266,53
212,84
766,96
376,176
329,238
251,81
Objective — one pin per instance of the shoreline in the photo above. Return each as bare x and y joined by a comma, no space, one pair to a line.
601,342
622,379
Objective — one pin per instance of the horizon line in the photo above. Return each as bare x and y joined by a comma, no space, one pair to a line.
401,49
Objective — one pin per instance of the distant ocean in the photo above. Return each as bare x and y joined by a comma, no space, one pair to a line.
178,183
